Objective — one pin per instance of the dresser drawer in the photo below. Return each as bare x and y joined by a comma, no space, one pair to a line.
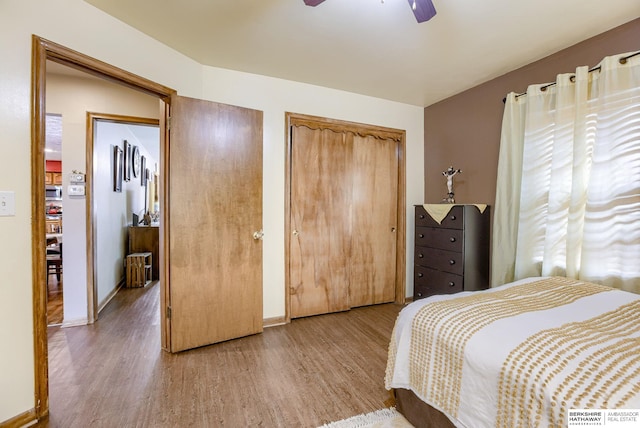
447,261
435,237
453,220
427,282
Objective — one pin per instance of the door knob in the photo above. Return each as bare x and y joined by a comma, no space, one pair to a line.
258,234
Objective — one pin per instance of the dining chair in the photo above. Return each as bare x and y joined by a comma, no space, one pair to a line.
54,261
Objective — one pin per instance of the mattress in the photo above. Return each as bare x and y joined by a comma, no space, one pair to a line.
522,354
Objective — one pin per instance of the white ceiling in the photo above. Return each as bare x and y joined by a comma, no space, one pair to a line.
370,47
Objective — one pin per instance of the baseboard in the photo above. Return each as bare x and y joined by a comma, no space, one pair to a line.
272,322
84,321
25,419
111,295
75,323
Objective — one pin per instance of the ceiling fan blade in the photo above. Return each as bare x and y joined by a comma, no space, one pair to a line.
312,2
424,10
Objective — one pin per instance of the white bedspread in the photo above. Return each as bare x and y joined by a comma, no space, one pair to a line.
522,354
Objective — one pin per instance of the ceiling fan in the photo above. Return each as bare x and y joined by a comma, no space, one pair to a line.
422,9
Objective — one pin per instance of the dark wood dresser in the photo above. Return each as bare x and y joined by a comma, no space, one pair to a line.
452,255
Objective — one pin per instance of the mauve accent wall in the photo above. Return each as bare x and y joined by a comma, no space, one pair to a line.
464,130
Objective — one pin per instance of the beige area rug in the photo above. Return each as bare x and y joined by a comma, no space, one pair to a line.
384,418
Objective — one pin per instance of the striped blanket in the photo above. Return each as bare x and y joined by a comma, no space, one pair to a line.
520,355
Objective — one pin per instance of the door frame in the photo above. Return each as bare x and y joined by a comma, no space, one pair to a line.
92,213
397,135
43,50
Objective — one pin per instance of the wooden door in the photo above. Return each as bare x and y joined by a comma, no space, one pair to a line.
320,222
343,218
215,206
374,220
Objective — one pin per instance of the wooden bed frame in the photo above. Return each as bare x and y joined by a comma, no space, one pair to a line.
419,413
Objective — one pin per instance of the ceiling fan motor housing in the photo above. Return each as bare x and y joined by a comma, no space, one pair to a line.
423,10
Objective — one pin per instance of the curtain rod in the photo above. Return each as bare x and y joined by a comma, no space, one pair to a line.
622,60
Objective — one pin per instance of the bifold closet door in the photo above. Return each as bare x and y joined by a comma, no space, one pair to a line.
343,221
320,222
374,199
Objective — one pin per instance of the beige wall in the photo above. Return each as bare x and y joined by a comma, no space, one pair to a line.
464,130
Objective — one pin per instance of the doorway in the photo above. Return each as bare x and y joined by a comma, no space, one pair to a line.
209,234
139,140
70,93
44,50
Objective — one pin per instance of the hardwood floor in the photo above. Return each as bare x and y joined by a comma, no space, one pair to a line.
304,374
54,300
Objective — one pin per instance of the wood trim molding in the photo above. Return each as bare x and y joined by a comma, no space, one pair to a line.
43,50
21,420
273,322
401,249
340,126
79,61
38,244
287,215
165,296
398,135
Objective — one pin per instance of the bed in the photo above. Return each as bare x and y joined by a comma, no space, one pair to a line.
528,353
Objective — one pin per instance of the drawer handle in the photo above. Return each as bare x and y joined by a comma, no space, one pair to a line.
452,262
419,294
420,255
420,235
452,284
420,275
421,216
452,217
452,239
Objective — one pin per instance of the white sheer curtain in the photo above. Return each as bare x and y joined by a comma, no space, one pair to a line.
568,191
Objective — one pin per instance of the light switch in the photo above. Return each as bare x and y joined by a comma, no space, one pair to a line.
7,204
75,190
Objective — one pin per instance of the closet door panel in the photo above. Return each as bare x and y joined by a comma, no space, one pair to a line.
374,220
320,222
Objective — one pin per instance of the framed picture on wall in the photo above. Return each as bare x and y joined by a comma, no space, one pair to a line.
143,167
135,161
127,161
117,168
